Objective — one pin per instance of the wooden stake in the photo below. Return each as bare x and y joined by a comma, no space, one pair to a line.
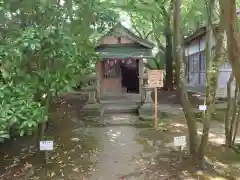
156,109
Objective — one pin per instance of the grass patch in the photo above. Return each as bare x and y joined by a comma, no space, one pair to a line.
218,115
236,148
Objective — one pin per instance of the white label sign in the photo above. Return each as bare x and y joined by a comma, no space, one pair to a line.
46,145
180,141
202,107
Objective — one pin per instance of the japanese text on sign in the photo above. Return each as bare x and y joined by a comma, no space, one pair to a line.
155,78
46,145
180,141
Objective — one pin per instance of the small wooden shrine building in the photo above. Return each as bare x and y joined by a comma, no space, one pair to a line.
120,68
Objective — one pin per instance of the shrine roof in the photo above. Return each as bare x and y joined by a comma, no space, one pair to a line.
120,31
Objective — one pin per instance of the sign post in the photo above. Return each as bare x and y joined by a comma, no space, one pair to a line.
46,147
156,109
155,80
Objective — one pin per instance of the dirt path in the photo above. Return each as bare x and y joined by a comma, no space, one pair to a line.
116,146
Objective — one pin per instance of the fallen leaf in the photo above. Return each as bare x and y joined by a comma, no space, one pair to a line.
52,174
75,139
27,165
75,170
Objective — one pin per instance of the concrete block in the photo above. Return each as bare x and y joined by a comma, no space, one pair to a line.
93,110
146,111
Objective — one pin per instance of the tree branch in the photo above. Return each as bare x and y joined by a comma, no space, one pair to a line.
148,34
159,44
138,32
135,27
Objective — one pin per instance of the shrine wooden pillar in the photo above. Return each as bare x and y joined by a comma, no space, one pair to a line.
99,78
141,72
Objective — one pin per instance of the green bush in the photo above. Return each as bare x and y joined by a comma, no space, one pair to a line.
36,63
19,113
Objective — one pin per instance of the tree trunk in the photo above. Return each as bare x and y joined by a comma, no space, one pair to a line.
212,72
168,59
209,97
228,8
233,120
236,127
180,70
233,106
233,47
226,118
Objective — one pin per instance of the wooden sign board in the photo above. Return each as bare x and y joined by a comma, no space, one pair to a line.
155,78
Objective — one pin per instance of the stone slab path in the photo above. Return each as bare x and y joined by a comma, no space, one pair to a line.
118,148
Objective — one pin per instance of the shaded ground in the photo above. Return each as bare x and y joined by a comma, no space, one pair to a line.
18,154
168,97
114,147
172,99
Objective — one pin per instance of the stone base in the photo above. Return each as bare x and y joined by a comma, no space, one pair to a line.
121,109
146,111
93,110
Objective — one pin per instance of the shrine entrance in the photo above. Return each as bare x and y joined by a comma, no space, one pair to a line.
130,76
120,68
120,76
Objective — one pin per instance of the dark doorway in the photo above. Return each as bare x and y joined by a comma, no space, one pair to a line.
129,72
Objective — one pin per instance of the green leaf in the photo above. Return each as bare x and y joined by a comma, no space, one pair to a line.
21,133
4,134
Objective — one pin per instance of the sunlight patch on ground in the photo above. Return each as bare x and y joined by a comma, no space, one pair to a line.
113,135
217,140
237,140
211,135
118,118
178,131
217,163
199,175
214,138
236,165
186,175
215,178
219,167
178,125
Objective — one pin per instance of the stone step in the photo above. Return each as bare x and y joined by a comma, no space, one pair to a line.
123,108
122,102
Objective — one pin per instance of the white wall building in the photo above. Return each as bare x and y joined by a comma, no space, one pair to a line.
195,46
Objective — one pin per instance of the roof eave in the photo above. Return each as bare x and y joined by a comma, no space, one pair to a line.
132,36
139,40
196,34
199,32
